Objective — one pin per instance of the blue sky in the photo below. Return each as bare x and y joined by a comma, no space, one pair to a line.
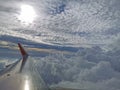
77,41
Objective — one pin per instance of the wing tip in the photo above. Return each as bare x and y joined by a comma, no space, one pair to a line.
22,50
24,56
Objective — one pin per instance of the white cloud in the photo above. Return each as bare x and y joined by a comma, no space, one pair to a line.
78,71
102,71
65,25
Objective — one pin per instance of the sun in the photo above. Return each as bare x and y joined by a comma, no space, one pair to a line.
27,14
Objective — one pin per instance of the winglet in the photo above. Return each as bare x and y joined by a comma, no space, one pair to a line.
24,56
23,52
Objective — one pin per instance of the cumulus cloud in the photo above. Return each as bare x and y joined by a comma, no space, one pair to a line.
102,71
78,72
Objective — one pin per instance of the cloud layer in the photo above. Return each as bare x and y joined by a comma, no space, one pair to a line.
89,68
64,22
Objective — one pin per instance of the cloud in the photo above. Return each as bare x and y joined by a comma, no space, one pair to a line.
80,72
112,84
62,22
89,68
70,23
102,71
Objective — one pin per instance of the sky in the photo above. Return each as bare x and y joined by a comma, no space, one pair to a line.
77,41
65,22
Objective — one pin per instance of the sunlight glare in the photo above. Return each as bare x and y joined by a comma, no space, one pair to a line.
26,85
27,14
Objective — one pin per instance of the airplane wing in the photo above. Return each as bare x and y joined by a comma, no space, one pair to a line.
12,66
21,75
